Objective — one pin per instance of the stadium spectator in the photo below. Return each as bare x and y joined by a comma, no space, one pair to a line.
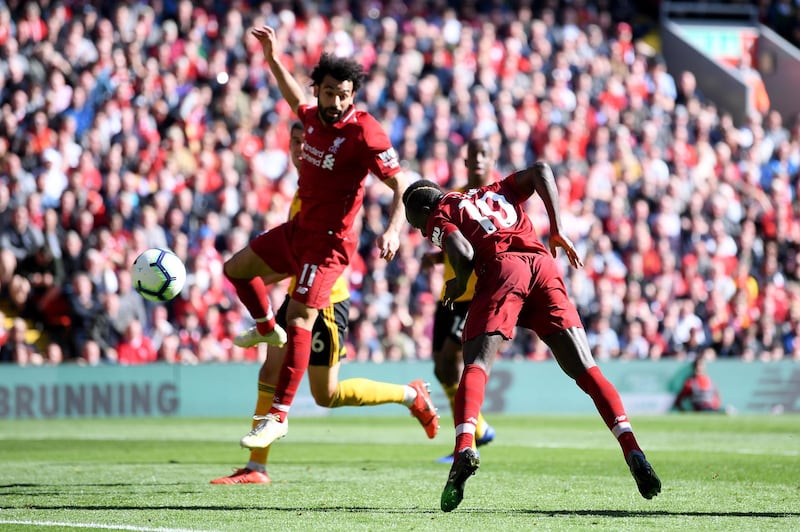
16,348
139,76
698,393
135,347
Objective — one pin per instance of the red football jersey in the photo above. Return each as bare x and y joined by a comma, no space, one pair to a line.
335,162
490,218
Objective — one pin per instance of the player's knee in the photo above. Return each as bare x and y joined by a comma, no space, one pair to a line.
324,398
229,270
233,267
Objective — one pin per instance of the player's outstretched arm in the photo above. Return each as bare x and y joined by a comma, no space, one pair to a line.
539,179
389,241
291,91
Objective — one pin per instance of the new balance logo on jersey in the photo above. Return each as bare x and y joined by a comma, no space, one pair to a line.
327,162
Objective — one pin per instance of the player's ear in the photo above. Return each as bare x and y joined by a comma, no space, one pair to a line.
315,88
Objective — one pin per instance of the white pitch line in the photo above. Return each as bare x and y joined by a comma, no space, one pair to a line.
99,526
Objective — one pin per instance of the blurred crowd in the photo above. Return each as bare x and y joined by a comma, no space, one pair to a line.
128,125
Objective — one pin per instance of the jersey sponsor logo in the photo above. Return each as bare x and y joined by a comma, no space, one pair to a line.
312,154
436,236
389,158
328,161
337,143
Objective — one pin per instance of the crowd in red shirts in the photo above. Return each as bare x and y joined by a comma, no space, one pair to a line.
125,126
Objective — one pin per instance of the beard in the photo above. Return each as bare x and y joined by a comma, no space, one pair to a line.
330,115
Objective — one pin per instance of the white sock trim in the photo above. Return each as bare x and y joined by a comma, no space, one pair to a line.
621,428
409,395
465,428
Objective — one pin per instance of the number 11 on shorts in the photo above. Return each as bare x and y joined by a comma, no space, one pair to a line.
306,279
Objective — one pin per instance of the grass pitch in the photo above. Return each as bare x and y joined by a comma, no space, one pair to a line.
367,473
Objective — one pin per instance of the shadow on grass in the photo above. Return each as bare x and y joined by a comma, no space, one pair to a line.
624,514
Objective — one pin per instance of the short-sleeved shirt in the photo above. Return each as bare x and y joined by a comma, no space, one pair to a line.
518,280
490,218
316,245
336,159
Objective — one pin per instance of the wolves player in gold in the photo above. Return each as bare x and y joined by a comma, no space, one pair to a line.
323,372
449,322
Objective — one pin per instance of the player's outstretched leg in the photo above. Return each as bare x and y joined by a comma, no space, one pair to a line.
270,429
646,479
423,408
463,467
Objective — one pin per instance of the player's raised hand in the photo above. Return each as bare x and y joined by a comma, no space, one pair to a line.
266,36
560,241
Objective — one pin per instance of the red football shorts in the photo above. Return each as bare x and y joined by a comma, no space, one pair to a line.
316,258
522,289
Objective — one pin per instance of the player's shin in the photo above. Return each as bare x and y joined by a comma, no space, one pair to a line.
469,400
266,394
609,405
298,353
253,294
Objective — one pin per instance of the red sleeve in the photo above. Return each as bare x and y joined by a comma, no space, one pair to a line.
383,160
510,190
440,226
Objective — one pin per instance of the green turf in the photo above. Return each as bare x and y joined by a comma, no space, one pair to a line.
365,473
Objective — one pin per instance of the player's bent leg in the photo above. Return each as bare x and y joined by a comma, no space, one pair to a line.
250,275
323,382
366,392
571,349
255,471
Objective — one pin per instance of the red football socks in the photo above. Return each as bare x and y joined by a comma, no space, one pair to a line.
609,404
253,294
298,353
469,399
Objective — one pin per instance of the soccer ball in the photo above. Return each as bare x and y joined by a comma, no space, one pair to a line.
158,274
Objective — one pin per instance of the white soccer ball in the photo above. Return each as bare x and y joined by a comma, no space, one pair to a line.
158,274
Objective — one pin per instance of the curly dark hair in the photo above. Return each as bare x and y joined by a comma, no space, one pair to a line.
422,193
340,69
